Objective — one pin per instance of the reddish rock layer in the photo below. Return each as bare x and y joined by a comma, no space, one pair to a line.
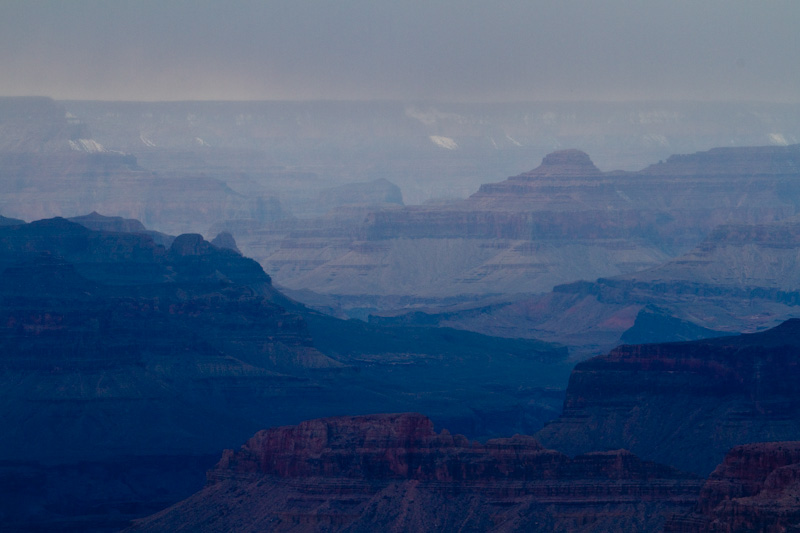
394,473
756,488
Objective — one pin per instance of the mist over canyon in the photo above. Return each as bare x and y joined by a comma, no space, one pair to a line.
401,336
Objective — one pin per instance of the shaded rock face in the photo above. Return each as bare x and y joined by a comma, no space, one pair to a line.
144,326
114,350
756,488
684,404
96,221
653,325
753,160
393,472
5,221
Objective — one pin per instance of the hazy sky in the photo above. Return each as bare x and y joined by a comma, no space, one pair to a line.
410,50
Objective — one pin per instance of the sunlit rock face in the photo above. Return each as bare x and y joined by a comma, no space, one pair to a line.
684,404
394,472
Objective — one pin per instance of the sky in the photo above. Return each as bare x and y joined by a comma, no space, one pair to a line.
445,50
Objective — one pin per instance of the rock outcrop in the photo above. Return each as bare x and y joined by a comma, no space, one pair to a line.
394,473
756,488
563,221
684,404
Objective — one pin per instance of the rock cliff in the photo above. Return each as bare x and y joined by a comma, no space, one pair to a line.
394,473
684,404
563,221
755,488
741,278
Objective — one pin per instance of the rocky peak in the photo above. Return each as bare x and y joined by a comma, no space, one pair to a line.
197,260
564,163
225,240
190,244
98,222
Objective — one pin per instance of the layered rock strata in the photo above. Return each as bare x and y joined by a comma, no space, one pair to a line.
394,473
756,488
684,404
741,278
563,221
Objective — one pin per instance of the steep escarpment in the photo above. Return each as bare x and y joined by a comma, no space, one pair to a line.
752,160
684,404
151,324
741,278
563,221
96,320
756,488
393,472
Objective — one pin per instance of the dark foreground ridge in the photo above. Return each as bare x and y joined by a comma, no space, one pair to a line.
125,363
395,473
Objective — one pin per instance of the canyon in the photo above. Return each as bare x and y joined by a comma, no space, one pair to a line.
135,347
686,410
92,400
740,278
333,231
563,221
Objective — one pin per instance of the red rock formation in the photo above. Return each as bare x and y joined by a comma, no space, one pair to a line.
394,473
756,488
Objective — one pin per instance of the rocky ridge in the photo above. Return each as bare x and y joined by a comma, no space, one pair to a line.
393,472
741,278
563,221
684,404
107,331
